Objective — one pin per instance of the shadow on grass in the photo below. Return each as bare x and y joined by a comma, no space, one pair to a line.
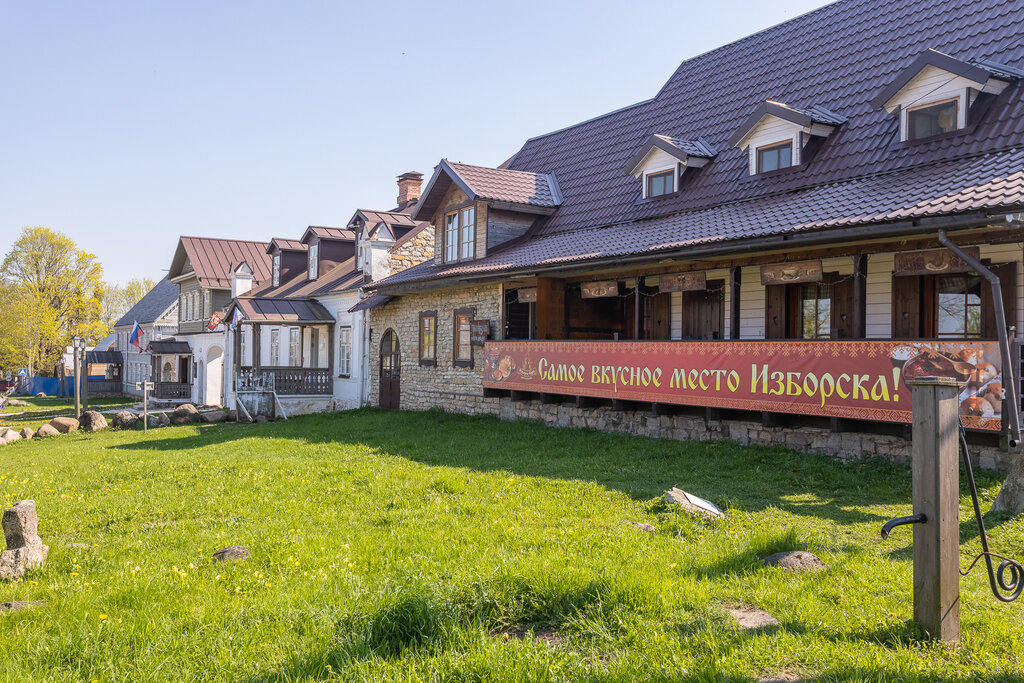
747,478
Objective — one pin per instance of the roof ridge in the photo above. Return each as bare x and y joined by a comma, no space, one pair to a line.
221,239
491,168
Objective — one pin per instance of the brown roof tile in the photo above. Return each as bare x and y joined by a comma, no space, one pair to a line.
213,259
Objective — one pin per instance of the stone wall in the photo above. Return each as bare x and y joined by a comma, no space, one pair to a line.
440,385
418,249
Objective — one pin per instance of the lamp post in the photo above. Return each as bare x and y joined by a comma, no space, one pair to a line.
75,343
85,374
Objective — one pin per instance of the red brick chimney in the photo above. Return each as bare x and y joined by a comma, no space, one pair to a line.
409,189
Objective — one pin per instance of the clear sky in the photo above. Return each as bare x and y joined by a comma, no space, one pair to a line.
127,124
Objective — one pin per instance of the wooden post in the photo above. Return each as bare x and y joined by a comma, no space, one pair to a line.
735,284
860,292
85,379
936,494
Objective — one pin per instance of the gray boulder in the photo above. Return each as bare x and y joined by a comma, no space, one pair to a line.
125,419
47,430
92,421
232,552
162,420
215,416
185,414
24,547
8,435
40,395
692,504
262,418
232,416
64,424
27,433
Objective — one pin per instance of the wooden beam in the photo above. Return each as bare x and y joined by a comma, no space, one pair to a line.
860,295
735,286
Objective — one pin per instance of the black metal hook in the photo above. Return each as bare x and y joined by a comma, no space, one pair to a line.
900,521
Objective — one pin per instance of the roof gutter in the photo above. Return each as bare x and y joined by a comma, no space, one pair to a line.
1011,397
789,240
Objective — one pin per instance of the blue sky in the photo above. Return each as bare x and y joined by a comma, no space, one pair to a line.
127,124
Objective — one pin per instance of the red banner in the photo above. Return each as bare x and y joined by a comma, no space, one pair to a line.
865,380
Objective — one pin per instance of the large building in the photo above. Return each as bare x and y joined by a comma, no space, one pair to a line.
766,250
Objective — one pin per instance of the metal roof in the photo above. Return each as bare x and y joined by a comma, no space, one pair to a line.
213,259
285,311
372,301
107,357
170,347
152,306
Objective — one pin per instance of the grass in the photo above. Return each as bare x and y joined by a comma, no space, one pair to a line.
436,547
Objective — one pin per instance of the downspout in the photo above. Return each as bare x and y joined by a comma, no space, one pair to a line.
1010,386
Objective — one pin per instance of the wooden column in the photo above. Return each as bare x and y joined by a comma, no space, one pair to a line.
735,281
550,308
936,494
860,294
256,344
236,354
330,350
638,310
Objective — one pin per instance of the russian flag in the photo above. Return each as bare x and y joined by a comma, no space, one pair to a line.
135,338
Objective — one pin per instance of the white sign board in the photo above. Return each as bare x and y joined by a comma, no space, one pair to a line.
150,386
703,504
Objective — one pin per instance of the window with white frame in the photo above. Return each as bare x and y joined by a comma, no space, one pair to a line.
314,260
933,119
659,183
276,272
242,346
344,350
460,234
295,346
275,347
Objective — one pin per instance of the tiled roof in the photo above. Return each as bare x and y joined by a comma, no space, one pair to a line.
372,301
286,244
693,148
325,232
518,187
283,310
337,278
213,259
981,183
868,43
389,217
150,307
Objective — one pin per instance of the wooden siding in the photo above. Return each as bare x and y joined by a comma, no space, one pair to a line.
503,226
769,131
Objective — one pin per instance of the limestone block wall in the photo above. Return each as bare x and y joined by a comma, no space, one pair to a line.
417,250
441,385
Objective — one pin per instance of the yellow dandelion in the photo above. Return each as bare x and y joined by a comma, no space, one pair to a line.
103,617
74,573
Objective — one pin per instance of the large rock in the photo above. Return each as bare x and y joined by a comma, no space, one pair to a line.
64,424
215,416
8,435
232,416
162,420
185,414
92,421
27,433
47,430
24,547
125,419
795,560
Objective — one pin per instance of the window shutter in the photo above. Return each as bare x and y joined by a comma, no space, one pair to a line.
906,307
842,307
1007,274
775,312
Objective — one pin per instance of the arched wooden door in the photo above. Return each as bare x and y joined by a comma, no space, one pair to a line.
390,371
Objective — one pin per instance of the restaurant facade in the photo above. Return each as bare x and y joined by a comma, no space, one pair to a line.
769,259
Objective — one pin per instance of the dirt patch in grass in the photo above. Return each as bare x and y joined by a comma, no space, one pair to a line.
548,636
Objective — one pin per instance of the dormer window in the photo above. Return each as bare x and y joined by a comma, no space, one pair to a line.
775,157
779,136
276,274
932,119
314,260
460,234
937,94
661,183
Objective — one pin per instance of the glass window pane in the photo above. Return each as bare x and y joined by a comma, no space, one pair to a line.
769,160
785,156
934,120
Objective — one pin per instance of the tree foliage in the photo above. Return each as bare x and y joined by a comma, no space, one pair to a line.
118,299
52,291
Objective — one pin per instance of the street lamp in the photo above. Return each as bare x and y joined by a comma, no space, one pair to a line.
78,345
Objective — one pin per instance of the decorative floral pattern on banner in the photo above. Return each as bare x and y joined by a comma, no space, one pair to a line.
864,380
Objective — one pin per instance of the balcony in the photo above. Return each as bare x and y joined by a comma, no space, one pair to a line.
173,390
286,381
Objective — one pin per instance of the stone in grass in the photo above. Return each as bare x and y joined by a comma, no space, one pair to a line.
232,552
643,526
232,416
125,419
8,436
262,418
692,504
185,414
162,420
795,560
16,605
214,416
24,547
64,424
27,433
47,430
92,421
750,618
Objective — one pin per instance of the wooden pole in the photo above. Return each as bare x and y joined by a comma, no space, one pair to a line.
936,494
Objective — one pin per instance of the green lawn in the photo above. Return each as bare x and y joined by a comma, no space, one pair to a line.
420,547
40,410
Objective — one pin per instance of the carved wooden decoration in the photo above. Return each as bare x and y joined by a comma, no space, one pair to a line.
683,282
527,295
597,290
932,261
786,273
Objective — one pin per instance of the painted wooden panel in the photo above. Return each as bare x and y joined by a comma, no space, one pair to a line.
1005,253
879,296
751,304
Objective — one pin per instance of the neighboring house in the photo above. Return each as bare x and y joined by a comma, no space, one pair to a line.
157,315
793,198
305,331
190,367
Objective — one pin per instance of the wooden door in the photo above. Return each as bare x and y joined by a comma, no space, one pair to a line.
390,371
658,316
703,312
906,307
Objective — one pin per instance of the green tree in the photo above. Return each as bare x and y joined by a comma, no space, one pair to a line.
118,299
54,292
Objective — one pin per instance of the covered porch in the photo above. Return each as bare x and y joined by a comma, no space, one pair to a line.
284,346
172,369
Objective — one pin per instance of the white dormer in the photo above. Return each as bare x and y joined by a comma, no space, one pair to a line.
241,280
662,160
775,134
934,94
